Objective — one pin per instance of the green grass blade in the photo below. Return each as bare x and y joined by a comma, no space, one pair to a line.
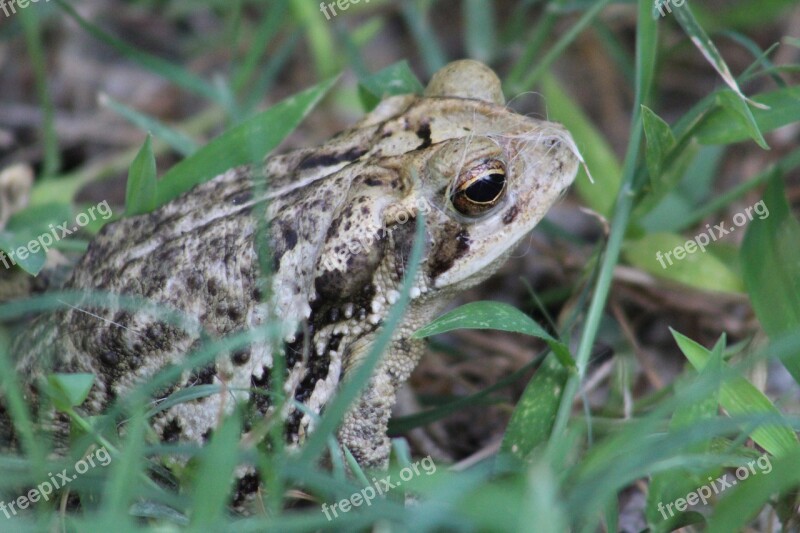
23,239
15,405
480,35
494,315
320,37
533,417
739,397
415,13
597,153
141,190
177,75
542,506
248,142
127,468
770,259
267,29
393,80
670,484
659,141
180,142
727,125
744,501
214,480
646,46
670,256
558,48
33,38
683,14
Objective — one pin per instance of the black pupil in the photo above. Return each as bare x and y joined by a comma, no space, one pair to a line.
487,188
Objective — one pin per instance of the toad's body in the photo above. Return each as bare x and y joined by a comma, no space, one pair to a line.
341,220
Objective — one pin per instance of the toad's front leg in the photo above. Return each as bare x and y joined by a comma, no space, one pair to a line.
364,428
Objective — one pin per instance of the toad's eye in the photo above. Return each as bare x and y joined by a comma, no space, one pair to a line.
479,188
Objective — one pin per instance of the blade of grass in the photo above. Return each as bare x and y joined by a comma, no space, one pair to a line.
558,48
177,75
33,39
214,480
320,37
141,188
746,499
126,470
770,260
533,417
646,40
699,37
599,156
480,35
180,142
494,315
251,140
739,397
415,13
274,21
533,49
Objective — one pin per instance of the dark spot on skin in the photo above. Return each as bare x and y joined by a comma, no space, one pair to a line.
372,182
109,358
212,287
424,133
235,312
246,485
290,238
294,351
261,386
203,376
327,160
284,239
454,243
194,280
172,431
240,356
241,197
511,214
155,333
334,342
292,425
207,434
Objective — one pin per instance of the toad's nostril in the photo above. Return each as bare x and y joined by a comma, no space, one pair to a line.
552,142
